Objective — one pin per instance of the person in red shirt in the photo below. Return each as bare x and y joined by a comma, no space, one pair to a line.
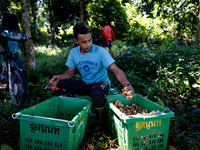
108,36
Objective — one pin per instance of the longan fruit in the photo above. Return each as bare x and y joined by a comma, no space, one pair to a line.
129,97
129,93
134,112
120,109
157,111
133,105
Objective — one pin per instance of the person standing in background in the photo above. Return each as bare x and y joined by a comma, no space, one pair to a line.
108,36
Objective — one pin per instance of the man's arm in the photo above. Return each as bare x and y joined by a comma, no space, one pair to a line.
121,77
67,75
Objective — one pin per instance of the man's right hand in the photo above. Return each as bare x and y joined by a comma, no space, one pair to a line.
54,80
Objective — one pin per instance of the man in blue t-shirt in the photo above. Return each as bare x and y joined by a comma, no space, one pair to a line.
92,61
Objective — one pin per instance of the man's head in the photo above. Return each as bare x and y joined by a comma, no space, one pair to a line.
81,28
83,37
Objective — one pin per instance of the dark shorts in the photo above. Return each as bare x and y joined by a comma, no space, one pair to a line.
97,91
105,44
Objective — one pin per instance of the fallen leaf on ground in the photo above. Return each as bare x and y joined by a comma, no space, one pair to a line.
169,147
91,147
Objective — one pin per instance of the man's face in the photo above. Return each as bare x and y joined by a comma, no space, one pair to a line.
85,42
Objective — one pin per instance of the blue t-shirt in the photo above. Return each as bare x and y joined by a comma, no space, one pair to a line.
91,65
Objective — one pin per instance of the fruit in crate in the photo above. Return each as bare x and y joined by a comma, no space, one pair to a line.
133,109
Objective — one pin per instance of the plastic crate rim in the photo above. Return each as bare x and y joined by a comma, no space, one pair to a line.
17,115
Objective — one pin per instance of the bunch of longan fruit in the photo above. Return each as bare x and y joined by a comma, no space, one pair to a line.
128,94
132,109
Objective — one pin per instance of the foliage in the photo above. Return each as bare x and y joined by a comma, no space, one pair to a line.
51,60
133,21
64,10
174,68
9,127
181,137
142,28
96,142
166,73
4,5
112,12
181,13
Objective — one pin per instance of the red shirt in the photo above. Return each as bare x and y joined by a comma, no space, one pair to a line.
108,33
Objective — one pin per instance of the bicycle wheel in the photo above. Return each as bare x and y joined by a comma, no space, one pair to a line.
19,87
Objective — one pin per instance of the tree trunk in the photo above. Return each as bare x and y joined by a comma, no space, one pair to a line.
52,20
81,11
34,18
28,45
198,29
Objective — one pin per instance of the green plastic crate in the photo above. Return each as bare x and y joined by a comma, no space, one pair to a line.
148,132
58,123
114,91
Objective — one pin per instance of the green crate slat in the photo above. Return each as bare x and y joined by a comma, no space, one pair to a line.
58,123
148,132
113,91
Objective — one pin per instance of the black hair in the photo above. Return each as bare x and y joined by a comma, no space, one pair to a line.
102,23
81,28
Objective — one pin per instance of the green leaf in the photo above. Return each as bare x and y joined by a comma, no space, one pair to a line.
180,89
172,82
196,85
195,110
6,147
159,102
198,81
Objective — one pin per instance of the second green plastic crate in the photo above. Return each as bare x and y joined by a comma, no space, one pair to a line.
147,132
58,123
